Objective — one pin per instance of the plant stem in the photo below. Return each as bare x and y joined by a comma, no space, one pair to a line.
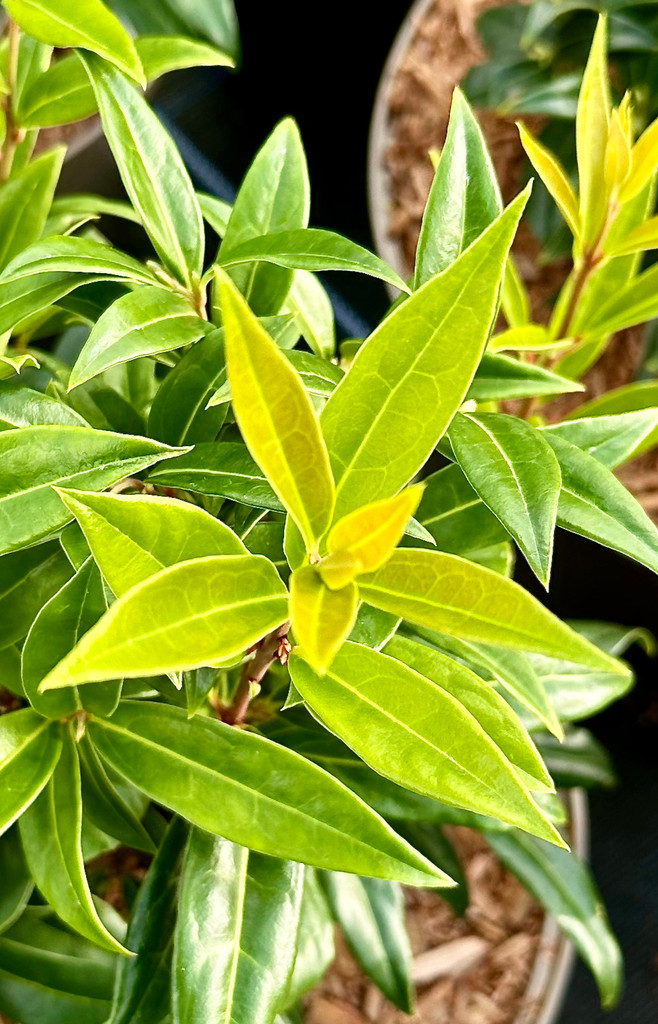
273,646
14,134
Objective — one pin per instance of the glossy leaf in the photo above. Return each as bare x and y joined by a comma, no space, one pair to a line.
635,302
371,915
611,439
516,474
92,27
455,515
416,734
36,459
592,121
579,760
309,301
235,935
179,414
273,196
140,323
370,534
141,992
208,609
315,941
21,406
253,792
16,883
103,804
644,160
322,618
566,889
55,631
30,748
464,199
578,693
502,377
225,469
134,536
51,835
319,376
595,504
412,374
152,171
28,579
25,202
445,592
554,176
277,419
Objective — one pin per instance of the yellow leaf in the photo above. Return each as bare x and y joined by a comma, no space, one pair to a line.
644,160
371,533
641,238
592,126
617,154
554,176
322,619
276,417
338,570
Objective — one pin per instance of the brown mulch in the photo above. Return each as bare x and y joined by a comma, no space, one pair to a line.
470,970
444,48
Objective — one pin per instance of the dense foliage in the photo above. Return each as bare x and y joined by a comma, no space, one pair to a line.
246,633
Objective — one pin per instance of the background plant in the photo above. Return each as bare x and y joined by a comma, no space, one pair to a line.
238,637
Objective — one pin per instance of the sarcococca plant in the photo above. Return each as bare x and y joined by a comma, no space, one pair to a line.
245,634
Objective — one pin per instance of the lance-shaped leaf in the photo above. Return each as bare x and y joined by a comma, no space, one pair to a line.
236,932
36,459
612,439
141,991
315,941
416,734
274,196
16,883
578,693
644,160
486,705
310,249
25,202
28,579
314,314
447,593
554,176
318,376
21,406
635,302
579,760
369,535
51,830
30,748
455,515
566,889
207,610
592,122
640,239
104,806
322,619
277,419
91,26
141,323
411,376
55,631
595,504
504,377
370,913
464,198
254,792
152,171
179,414
224,468
516,474
134,536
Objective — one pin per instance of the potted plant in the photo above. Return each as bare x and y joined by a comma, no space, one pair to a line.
245,654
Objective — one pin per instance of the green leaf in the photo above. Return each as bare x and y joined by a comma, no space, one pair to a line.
314,314
274,196
92,27
28,579
319,376
141,991
417,734
152,171
513,469
445,592
464,199
310,249
134,536
51,831
235,936
315,941
566,889
10,365
226,469
579,760
635,302
454,514
16,883
20,406
141,323
25,202
503,377
49,975
431,840
592,122
492,712
55,631
613,439
373,627
371,915
554,176
322,619
595,504
104,806
179,414
410,376
208,609
30,748
277,419
253,792
36,459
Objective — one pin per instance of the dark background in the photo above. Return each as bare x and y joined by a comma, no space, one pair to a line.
321,64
